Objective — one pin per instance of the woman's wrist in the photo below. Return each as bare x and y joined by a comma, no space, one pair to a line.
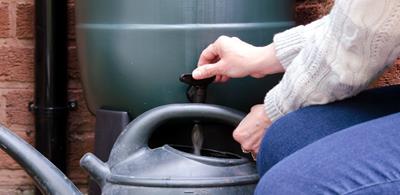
268,62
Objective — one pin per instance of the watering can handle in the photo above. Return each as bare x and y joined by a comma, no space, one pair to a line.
136,135
48,178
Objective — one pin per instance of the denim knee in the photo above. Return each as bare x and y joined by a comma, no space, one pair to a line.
269,149
362,159
299,129
274,182
284,137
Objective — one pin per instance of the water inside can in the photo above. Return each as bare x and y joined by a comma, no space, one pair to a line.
197,139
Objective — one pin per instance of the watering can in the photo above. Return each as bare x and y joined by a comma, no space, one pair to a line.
134,168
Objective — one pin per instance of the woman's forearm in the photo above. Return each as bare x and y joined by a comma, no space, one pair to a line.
289,43
342,58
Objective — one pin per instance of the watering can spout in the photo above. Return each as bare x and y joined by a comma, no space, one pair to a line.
97,169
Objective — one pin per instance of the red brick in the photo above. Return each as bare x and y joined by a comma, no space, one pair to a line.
6,162
17,106
4,20
16,68
305,14
16,64
10,178
71,21
74,77
307,11
25,20
73,68
81,137
79,144
390,77
83,188
80,120
17,190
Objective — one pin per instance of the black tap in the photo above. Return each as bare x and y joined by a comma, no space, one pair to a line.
196,93
197,90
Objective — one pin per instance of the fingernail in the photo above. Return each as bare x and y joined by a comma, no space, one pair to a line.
196,73
254,156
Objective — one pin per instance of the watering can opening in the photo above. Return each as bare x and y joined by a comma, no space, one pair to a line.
179,133
205,152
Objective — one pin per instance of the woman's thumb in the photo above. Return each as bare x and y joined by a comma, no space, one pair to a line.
206,71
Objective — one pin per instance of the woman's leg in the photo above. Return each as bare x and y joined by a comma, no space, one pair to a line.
298,129
361,160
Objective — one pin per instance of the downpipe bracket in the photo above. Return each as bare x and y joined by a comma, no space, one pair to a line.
72,105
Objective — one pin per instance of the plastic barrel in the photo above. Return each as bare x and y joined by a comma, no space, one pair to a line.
132,52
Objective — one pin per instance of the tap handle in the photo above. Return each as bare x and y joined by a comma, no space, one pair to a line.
188,79
197,91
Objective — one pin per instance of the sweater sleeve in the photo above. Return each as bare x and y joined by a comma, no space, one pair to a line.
289,43
350,50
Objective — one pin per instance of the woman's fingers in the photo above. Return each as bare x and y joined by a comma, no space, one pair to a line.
251,129
209,55
218,78
250,141
208,70
224,79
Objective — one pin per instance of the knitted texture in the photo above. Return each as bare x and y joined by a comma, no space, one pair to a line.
338,58
292,41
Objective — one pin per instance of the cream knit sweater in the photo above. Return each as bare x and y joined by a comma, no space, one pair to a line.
335,57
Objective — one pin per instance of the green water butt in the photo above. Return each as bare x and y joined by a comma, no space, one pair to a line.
132,52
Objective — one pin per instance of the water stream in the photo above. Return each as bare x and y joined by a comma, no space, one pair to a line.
197,139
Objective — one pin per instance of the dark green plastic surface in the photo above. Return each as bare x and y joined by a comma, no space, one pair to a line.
132,52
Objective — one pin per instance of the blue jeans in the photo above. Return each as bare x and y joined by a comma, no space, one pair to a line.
347,147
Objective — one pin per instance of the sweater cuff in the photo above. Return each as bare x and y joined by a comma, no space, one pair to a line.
288,44
271,109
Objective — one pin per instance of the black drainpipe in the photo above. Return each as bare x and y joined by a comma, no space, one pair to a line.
50,102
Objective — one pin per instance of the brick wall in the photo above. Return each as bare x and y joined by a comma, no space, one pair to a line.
16,90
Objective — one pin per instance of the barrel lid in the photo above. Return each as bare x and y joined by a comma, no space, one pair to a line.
171,166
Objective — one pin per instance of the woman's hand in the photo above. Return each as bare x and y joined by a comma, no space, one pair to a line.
251,130
232,58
